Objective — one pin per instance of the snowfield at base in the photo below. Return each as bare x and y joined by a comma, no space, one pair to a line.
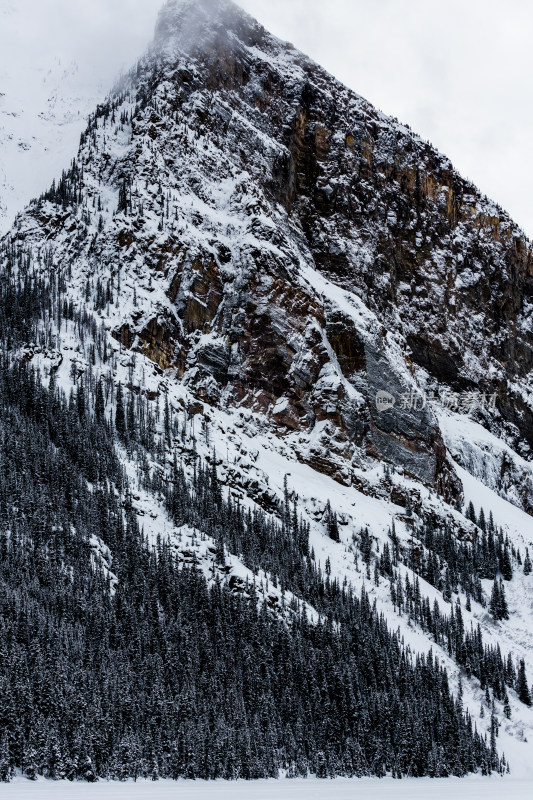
472,788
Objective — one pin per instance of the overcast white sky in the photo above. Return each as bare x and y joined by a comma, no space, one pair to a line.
458,71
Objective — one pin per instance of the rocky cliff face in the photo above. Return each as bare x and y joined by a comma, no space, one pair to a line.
274,242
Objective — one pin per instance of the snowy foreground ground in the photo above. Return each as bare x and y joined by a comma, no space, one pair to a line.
475,788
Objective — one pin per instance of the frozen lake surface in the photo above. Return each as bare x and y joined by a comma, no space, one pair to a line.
475,788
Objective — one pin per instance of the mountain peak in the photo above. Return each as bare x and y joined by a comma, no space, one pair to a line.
283,193
189,24
176,8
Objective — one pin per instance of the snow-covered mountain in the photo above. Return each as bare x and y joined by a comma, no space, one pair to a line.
325,308
43,110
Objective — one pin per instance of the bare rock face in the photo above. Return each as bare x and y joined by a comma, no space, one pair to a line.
273,241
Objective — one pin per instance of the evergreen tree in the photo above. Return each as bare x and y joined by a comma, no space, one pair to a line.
120,418
506,706
332,524
99,405
498,602
6,769
522,688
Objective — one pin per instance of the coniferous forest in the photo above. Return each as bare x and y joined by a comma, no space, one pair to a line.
162,673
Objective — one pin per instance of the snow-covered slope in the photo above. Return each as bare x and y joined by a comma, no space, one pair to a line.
38,136
43,110
295,789
270,256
